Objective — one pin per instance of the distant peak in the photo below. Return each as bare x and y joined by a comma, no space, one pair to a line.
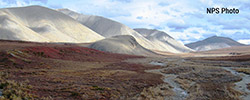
63,9
215,36
35,6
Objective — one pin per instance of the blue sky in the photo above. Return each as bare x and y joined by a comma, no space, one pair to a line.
185,20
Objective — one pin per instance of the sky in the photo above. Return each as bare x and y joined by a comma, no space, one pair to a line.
185,20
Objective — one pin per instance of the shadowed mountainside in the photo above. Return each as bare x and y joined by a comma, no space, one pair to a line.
124,44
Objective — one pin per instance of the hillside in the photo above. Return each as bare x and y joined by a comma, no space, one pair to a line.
123,44
40,24
162,38
108,28
214,42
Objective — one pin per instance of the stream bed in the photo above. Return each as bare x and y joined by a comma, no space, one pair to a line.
169,78
157,63
241,85
1,92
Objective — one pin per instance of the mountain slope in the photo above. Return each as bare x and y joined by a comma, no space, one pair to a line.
162,38
109,28
36,23
214,42
124,44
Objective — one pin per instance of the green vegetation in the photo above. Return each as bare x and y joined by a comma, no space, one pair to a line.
20,55
13,90
97,88
39,54
243,70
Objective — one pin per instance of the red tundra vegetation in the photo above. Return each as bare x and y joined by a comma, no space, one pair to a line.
66,71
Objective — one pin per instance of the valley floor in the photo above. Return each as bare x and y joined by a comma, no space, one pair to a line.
199,79
66,71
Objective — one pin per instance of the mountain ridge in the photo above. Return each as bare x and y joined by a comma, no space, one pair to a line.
108,28
123,44
41,24
214,42
161,37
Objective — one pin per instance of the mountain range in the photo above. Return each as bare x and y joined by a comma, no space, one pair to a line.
41,24
108,28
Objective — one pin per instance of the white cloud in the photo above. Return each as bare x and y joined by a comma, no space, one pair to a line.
244,41
21,3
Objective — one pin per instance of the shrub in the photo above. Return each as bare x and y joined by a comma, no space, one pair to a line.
97,88
13,90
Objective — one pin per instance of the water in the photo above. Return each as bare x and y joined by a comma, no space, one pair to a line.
241,85
157,63
169,78
180,93
1,92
